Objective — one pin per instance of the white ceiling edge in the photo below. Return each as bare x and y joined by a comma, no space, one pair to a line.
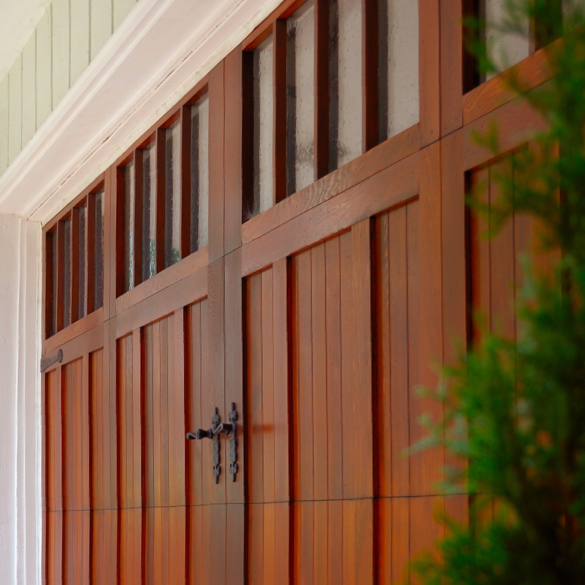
17,25
155,58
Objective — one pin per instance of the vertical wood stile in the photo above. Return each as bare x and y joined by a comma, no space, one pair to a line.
370,94
138,215
279,77
321,88
74,255
185,162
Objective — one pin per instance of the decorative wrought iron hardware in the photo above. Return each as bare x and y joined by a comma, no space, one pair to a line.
217,428
47,362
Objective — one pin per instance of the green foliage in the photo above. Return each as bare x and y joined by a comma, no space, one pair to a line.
515,410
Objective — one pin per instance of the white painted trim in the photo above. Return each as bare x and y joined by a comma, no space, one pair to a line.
155,57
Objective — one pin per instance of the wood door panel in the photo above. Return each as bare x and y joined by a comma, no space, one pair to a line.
131,541
76,547
53,441
104,546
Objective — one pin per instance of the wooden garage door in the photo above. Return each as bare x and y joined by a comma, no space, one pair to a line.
167,301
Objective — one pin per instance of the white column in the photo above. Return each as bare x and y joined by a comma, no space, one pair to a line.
20,405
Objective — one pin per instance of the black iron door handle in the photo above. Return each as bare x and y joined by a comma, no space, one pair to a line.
217,428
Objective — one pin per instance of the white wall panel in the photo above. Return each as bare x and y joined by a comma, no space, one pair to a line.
29,94
61,49
101,24
15,109
121,10
79,38
4,124
44,68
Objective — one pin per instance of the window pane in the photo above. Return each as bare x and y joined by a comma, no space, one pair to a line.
52,249
67,273
505,49
149,212
128,223
199,174
398,66
263,127
300,104
172,194
345,82
82,268
99,250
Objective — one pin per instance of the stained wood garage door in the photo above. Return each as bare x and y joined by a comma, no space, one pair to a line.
318,319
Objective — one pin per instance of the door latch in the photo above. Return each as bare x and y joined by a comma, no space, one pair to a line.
217,428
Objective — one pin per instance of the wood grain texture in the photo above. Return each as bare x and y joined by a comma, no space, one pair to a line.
429,71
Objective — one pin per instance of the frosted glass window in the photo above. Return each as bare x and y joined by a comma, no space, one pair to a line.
398,66
199,228
82,259
172,194
128,225
300,103
505,49
149,211
67,273
345,82
263,96
99,250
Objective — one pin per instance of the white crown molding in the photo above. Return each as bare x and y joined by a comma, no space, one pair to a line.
161,50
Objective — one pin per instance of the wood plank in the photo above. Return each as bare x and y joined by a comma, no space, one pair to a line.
321,542
176,410
15,109
334,395
54,442
429,71
281,384
424,528
356,361
358,545
44,65
502,263
234,367
101,25
426,467
383,553
217,535
96,389
234,112
304,543
76,547
255,544
79,37
130,544
61,49
216,357
319,373
269,542
335,541
386,154
452,58
194,385
282,547
267,414
54,548
254,389
29,93
236,544
104,554
207,406
400,539
216,161
303,385
360,202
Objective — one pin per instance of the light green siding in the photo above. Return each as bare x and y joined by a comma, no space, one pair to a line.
68,36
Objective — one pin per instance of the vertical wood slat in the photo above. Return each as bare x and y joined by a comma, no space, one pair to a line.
74,256
79,38
216,161
29,93
15,109
61,49
101,25
236,120
279,126
4,124
185,162
138,226
44,67
370,61
321,132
